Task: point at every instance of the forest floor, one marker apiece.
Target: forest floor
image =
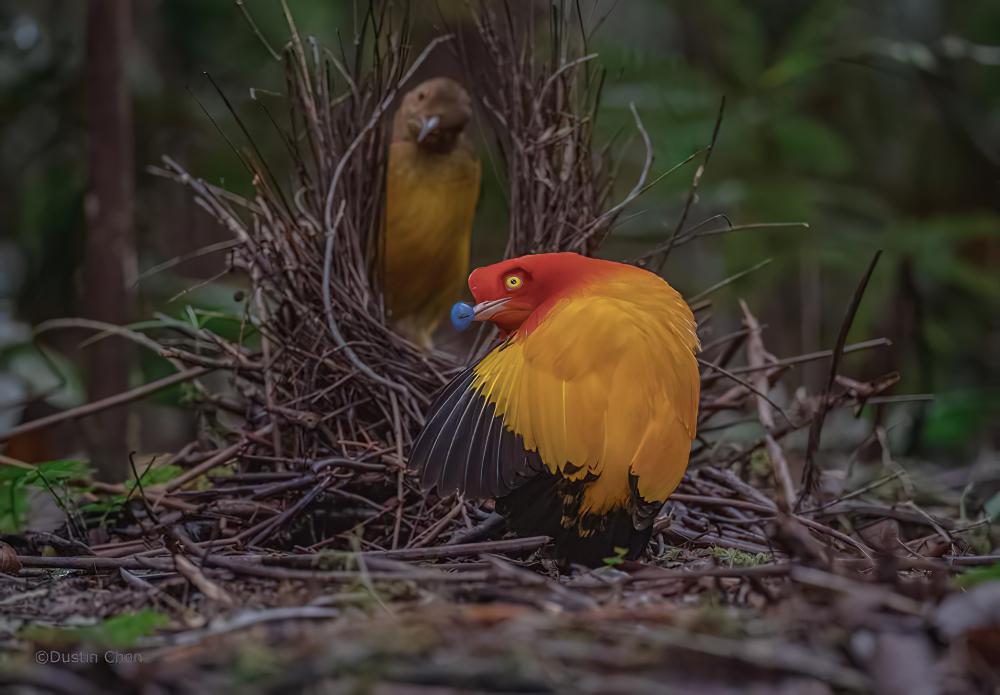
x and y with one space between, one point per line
232 563
706 611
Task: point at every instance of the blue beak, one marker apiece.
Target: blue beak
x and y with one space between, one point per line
462 316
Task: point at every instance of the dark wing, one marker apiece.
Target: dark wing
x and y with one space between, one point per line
464 446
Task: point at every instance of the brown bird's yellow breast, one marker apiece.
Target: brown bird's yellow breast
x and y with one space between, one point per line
430 202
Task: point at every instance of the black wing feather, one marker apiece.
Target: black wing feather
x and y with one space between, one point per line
462 431
475 484
422 456
465 446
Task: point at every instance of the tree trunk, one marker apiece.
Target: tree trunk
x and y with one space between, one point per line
109 256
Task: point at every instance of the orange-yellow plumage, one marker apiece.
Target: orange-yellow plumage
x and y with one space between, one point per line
607 383
432 186
580 421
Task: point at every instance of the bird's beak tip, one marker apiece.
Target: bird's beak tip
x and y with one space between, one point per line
427 126
486 310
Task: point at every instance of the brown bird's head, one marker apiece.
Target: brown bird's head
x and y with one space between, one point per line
433 114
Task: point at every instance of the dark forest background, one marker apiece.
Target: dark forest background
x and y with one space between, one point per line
878 124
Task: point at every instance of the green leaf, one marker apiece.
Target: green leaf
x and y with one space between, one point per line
15 480
13 505
125 629
111 504
618 558
954 417
58 471
122 630
9 472
158 474
978 575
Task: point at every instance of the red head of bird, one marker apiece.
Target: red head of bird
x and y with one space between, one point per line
516 293
433 114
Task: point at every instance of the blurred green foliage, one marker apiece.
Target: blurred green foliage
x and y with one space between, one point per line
978 575
150 475
50 477
122 630
733 557
876 123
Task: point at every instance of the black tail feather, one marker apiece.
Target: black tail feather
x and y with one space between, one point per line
539 505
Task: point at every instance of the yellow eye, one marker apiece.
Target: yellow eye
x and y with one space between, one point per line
513 282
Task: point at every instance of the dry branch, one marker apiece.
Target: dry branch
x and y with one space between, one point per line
816 429
757 357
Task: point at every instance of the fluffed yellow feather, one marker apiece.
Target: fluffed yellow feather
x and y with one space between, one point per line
605 385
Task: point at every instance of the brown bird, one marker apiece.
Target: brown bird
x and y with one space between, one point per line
432 186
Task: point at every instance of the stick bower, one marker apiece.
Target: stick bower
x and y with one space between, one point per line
327 397
318 372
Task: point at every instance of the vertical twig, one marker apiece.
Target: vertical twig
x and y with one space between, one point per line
660 259
816 427
757 357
